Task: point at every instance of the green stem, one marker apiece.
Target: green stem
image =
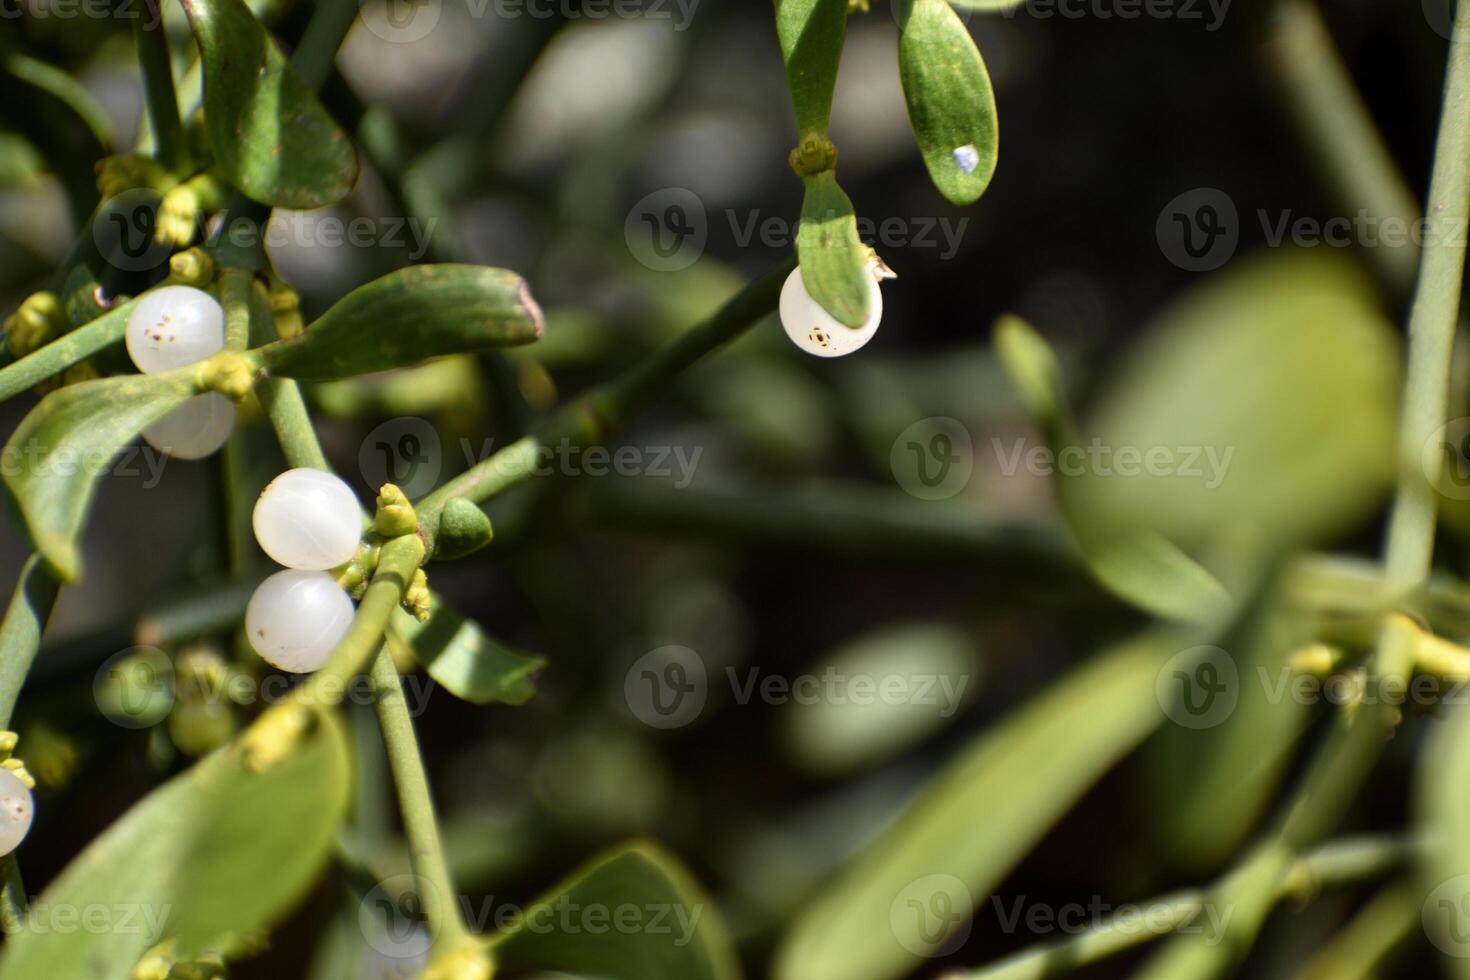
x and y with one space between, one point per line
1333 864
426 849
64 352
317 53
1358 950
286 409
1432 323
605 409
171 147
234 296
1340 135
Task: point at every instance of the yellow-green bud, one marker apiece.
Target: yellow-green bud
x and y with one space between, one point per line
192 267
417 598
814 155
231 374
471 962
274 736
395 515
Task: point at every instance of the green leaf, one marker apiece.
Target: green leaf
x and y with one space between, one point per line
1279 380
1142 567
834 736
270 135
68 442
811 34
466 661
834 260
951 103
216 851
964 832
409 316
677 934
1443 809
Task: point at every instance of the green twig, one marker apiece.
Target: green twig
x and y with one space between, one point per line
426 849
170 145
66 351
1327 111
607 408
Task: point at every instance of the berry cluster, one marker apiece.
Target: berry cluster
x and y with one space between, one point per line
174 327
309 521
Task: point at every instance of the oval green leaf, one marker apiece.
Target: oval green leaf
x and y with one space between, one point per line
976 820
1268 397
934 664
950 99
688 942
409 316
834 260
811 34
465 660
270 135
67 442
216 852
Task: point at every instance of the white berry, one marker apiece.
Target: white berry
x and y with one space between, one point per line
296 619
308 519
17 809
194 430
173 327
815 330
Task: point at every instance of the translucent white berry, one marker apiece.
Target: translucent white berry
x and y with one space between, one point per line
308 519
17 809
295 619
815 330
173 327
194 430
